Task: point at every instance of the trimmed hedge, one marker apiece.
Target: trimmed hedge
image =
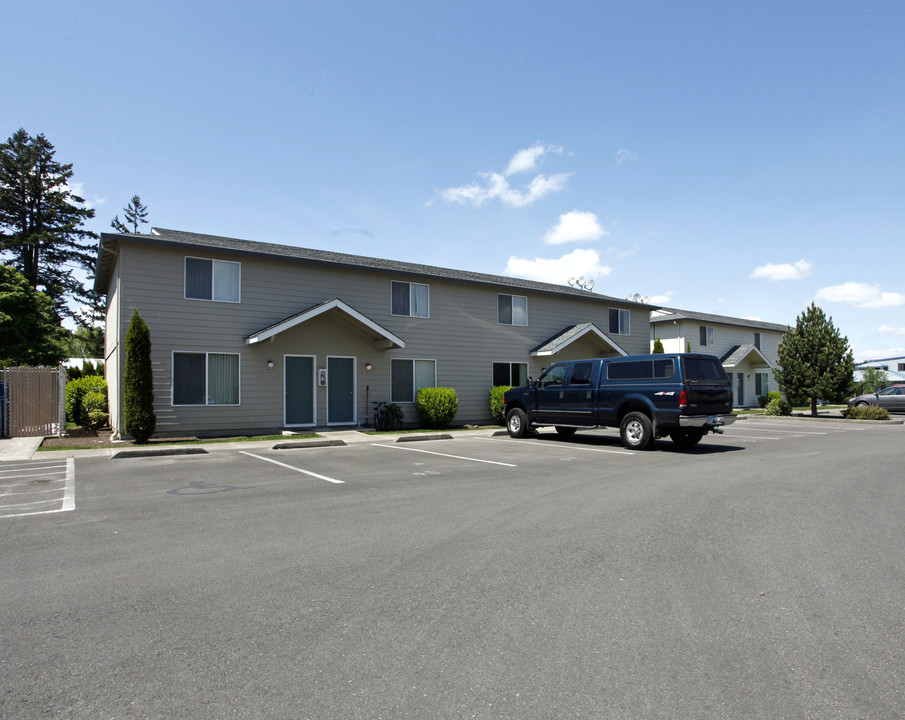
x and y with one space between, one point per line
496 403
437 406
76 392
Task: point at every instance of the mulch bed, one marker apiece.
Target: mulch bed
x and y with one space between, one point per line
80 437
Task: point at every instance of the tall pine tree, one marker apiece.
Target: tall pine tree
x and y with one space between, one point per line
41 232
135 213
816 361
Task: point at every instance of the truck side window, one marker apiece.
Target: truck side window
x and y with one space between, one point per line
581 374
664 369
554 376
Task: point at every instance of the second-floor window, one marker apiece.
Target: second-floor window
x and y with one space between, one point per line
512 310
706 335
620 323
758 341
410 299
217 280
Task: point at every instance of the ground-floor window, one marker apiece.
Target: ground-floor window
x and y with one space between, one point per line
407 377
514 374
205 378
761 384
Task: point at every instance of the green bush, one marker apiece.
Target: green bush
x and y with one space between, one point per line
436 406
139 419
94 407
763 400
76 390
496 403
871 412
395 416
778 406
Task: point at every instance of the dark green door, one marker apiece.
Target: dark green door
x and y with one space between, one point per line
340 391
299 384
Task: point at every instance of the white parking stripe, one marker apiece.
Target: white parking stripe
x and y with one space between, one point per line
298 470
570 447
68 503
455 457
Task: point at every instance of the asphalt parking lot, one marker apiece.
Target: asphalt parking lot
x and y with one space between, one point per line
758 575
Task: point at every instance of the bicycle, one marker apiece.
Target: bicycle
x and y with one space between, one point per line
381 420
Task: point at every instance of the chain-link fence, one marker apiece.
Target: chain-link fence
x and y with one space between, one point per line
32 402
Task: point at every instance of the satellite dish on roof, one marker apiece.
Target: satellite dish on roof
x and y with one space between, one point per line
589 285
581 281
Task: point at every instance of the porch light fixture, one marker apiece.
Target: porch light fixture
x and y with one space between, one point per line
368 367
270 364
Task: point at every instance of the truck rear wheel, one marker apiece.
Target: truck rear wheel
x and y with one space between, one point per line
517 423
686 438
636 431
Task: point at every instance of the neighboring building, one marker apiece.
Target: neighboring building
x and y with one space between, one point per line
748 349
256 337
894 368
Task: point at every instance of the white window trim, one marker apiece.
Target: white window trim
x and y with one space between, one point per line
511 324
510 363
213 275
628 321
414 389
206 378
411 303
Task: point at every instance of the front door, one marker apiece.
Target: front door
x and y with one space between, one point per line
340 391
740 393
298 381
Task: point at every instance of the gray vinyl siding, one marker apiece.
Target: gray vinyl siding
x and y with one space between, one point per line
462 333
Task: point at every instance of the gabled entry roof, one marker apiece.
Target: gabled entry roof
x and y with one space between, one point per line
383 335
738 353
571 334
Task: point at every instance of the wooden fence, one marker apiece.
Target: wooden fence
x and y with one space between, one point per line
33 402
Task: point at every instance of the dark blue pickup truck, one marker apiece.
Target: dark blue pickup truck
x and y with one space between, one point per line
682 395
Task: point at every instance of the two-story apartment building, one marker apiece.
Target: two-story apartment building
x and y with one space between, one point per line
258 337
748 349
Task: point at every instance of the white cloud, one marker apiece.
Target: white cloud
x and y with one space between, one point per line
495 186
662 299
526 159
860 295
558 270
785 271
575 226
889 330
624 156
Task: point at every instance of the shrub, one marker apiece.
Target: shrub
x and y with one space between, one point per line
395 416
763 400
778 406
94 407
496 403
139 419
658 347
871 412
436 406
76 390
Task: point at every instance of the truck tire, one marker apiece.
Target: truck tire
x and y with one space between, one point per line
636 431
517 423
565 432
686 438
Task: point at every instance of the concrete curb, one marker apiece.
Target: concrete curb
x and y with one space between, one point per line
416 438
312 443
157 452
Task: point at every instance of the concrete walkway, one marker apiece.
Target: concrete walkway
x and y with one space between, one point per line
19 449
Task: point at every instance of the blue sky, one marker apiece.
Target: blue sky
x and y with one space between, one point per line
738 158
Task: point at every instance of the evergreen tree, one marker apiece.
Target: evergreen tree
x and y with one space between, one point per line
816 361
658 347
29 332
139 420
41 232
135 213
